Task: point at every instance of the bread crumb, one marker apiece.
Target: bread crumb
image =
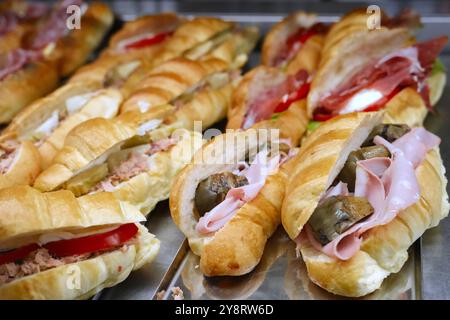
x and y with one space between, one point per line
177 293
160 295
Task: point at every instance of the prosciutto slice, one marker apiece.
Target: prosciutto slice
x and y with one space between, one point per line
55 26
256 175
404 67
390 185
8 21
263 106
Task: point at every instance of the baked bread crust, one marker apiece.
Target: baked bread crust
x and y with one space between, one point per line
21 88
238 246
92 139
384 248
26 166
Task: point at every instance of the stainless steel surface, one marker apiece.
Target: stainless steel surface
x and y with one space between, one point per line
145 283
281 275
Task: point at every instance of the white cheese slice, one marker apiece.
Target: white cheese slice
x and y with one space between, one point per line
361 100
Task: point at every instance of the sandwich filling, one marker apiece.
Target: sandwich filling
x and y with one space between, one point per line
219 197
377 182
38 257
135 164
373 86
212 82
71 106
270 95
295 40
119 167
8 152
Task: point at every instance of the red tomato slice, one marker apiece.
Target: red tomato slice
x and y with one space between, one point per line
300 37
322 116
17 254
92 243
301 92
147 42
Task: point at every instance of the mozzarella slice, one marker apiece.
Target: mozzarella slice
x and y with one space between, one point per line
361 100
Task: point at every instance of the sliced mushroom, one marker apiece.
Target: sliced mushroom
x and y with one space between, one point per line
212 191
337 214
390 132
348 172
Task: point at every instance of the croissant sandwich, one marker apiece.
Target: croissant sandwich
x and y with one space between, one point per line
177 81
360 194
135 45
134 156
48 53
56 246
269 98
294 43
227 201
20 162
143 35
48 120
364 69
202 38
71 48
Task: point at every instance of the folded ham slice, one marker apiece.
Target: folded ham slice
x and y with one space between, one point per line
235 199
16 60
390 185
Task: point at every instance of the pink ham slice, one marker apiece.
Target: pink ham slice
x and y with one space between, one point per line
256 176
402 68
16 60
390 185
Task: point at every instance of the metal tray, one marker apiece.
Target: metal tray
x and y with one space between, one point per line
281 275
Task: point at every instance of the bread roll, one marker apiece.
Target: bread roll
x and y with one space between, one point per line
384 248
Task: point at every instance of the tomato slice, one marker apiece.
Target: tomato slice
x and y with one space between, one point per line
300 37
92 243
147 42
17 254
322 116
300 93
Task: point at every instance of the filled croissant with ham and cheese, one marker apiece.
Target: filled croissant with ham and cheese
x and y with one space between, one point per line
360 194
385 68
227 200
20 162
294 43
134 156
56 246
50 51
47 121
